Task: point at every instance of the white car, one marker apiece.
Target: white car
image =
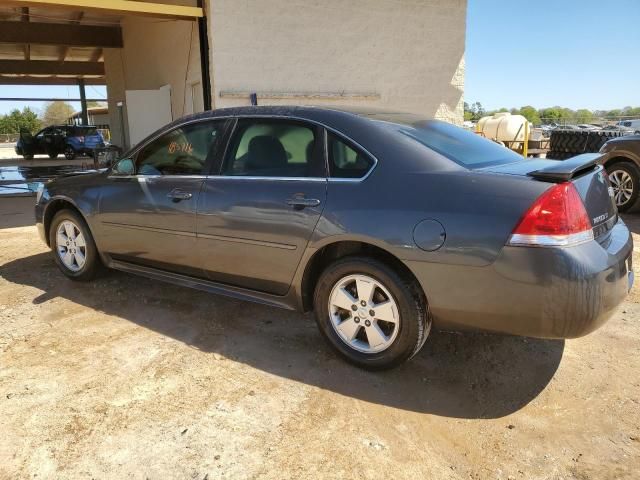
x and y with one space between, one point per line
633 124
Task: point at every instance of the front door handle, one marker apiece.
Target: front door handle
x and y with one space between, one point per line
300 202
177 195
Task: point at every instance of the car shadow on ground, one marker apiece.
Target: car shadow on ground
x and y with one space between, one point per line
455 375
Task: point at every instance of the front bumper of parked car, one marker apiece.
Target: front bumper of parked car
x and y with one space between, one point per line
538 292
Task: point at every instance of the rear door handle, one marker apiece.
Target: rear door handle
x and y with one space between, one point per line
176 195
302 202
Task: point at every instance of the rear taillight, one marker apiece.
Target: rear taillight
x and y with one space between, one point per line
556 219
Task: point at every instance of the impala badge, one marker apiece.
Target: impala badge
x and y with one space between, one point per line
600 218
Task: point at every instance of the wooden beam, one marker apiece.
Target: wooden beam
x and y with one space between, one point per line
64 49
301 95
97 55
116 7
27 80
60 34
44 67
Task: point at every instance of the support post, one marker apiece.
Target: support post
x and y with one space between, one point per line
203 38
83 102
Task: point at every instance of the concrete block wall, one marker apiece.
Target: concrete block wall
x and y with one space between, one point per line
408 53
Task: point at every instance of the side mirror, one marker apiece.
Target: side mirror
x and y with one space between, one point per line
123 167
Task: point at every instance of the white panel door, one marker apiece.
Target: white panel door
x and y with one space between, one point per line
147 111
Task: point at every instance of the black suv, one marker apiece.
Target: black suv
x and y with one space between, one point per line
72 140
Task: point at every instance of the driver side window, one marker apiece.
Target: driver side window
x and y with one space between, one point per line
182 151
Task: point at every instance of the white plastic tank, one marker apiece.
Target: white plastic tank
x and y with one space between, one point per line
502 127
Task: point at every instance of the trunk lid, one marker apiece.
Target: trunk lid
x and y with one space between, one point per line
587 175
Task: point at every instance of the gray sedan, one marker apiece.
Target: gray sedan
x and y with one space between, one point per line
385 224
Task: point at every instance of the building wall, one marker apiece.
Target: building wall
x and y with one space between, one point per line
156 53
401 54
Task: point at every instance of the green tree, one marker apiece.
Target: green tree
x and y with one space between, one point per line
584 116
57 112
530 114
16 120
557 114
613 114
551 114
479 111
474 112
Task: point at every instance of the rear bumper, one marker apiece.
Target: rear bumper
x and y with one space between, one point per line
537 292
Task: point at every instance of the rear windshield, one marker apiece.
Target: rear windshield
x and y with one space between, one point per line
463 147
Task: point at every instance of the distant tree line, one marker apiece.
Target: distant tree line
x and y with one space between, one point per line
557 114
13 121
54 113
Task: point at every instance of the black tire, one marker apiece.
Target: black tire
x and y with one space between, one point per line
555 155
69 153
414 324
634 172
93 265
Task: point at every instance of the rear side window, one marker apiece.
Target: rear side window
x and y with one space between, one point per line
465 148
345 161
268 148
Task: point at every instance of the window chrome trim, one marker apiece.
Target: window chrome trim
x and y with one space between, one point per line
255 177
153 177
139 147
349 139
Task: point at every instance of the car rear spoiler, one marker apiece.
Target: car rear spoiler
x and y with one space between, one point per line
567 169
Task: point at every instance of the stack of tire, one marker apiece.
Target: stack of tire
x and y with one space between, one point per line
569 143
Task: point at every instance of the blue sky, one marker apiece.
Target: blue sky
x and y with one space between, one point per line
573 53
40 91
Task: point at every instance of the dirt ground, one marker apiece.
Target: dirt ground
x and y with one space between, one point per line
131 378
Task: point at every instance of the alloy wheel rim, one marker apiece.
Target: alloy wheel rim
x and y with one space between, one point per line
622 184
71 246
364 314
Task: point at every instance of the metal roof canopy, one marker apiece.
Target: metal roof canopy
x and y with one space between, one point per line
63 36
119 7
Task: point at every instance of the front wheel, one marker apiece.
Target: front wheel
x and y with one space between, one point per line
373 316
625 181
73 247
69 153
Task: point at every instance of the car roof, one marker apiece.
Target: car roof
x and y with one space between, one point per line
310 112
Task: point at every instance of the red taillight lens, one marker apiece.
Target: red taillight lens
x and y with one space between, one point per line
556 218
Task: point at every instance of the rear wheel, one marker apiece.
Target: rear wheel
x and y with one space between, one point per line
373 316
73 247
625 180
69 153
